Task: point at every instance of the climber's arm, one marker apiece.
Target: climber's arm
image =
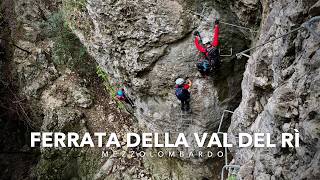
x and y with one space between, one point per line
189 83
215 41
198 45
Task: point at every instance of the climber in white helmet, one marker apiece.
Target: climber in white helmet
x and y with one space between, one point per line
210 59
182 93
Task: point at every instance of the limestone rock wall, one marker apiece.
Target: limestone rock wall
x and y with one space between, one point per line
63 98
149 44
280 93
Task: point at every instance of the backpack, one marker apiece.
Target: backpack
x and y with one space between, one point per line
181 93
213 56
204 65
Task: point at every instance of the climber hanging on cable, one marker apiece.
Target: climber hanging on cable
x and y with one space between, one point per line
121 95
183 94
210 59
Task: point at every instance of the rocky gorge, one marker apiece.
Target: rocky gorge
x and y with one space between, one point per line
62 60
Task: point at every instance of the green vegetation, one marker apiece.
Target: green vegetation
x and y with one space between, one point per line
75 4
67 49
108 87
76 15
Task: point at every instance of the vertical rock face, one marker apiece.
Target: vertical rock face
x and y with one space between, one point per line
62 98
149 44
248 11
280 93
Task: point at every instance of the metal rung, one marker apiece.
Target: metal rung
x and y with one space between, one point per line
239 55
226 55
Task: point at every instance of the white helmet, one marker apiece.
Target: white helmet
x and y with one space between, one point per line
205 40
180 81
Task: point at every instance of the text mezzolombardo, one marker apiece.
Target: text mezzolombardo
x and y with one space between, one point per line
101 139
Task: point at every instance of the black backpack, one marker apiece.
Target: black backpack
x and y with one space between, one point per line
181 93
213 56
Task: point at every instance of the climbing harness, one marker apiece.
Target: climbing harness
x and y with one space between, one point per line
306 25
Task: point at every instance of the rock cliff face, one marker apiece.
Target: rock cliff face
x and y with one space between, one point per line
280 93
56 85
148 44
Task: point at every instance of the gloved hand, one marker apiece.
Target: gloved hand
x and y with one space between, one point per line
196 33
216 21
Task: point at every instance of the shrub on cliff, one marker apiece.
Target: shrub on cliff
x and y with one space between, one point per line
67 48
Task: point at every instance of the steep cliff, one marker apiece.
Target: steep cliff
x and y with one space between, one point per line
280 93
53 48
149 44
47 75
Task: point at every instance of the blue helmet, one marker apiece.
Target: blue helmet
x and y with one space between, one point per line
120 93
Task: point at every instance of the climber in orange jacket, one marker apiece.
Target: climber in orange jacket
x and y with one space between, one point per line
210 59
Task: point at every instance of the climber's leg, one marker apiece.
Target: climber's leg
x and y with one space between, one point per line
216 61
215 41
183 104
129 101
187 105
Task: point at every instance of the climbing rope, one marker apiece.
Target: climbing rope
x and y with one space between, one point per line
306 25
222 22
242 53
238 26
